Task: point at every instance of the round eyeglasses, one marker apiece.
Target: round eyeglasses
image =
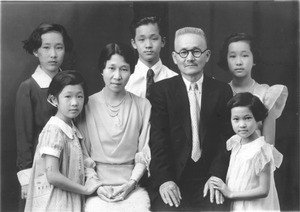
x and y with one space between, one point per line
195 52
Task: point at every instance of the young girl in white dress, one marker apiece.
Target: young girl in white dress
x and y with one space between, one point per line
250 177
239 55
57 179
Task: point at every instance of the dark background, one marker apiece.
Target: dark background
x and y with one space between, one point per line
91 25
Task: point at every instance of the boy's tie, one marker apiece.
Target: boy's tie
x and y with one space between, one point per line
150 81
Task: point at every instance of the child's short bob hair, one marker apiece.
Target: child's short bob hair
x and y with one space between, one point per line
258 109
64 78
235 38
116 48
35 39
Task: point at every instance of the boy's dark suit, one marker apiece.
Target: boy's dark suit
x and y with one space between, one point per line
171 134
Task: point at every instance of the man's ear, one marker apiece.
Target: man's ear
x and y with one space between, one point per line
207 53
174 57
133 43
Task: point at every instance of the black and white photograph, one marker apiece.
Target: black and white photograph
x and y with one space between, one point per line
137 106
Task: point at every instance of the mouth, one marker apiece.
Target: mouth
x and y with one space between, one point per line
74 110
148 52
190 65
116 84
239 69
52 62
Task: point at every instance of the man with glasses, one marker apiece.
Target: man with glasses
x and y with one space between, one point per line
189 128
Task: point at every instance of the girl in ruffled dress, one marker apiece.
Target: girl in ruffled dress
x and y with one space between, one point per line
239 55
57 179
250 177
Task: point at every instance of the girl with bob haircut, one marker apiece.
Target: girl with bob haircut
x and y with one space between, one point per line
48 43
250 176
239 55
116 128
57 179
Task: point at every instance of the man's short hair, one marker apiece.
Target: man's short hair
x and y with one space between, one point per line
145 21
193 30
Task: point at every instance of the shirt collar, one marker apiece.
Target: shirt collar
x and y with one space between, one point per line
157 67
42 79
69 131
188 83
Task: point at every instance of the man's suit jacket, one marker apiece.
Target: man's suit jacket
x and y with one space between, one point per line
171 134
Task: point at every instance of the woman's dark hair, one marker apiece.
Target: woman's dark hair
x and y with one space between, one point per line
258 109
145 21
223 63
116 48
35 39
64 78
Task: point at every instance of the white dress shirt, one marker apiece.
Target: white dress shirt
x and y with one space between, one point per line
138 80
199 84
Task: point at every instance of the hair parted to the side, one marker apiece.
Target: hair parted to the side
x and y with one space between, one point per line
246 99
241 36
193 30
35 39
116 48
64 78
190 30
145 21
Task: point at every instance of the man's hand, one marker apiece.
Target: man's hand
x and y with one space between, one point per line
214 193
170 193
220 185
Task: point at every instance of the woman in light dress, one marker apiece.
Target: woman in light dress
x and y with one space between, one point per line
115 126
239 55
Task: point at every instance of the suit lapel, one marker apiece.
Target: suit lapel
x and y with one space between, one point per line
207 105
183 105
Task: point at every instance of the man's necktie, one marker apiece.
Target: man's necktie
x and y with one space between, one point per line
150 81
194 110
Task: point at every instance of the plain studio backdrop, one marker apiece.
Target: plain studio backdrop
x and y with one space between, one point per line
91 25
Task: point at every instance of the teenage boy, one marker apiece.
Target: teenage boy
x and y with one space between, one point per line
147 37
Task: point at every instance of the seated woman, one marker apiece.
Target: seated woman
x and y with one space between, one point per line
115 125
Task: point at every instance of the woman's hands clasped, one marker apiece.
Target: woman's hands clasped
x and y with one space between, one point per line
116 193
91 185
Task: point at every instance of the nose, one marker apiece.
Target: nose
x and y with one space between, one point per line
74 101
190 56
242 124
239 61
53 53
148 43
117 74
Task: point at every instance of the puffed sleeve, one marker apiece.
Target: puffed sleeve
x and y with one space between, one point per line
143 156
232 142
267 154
275 99
51 141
